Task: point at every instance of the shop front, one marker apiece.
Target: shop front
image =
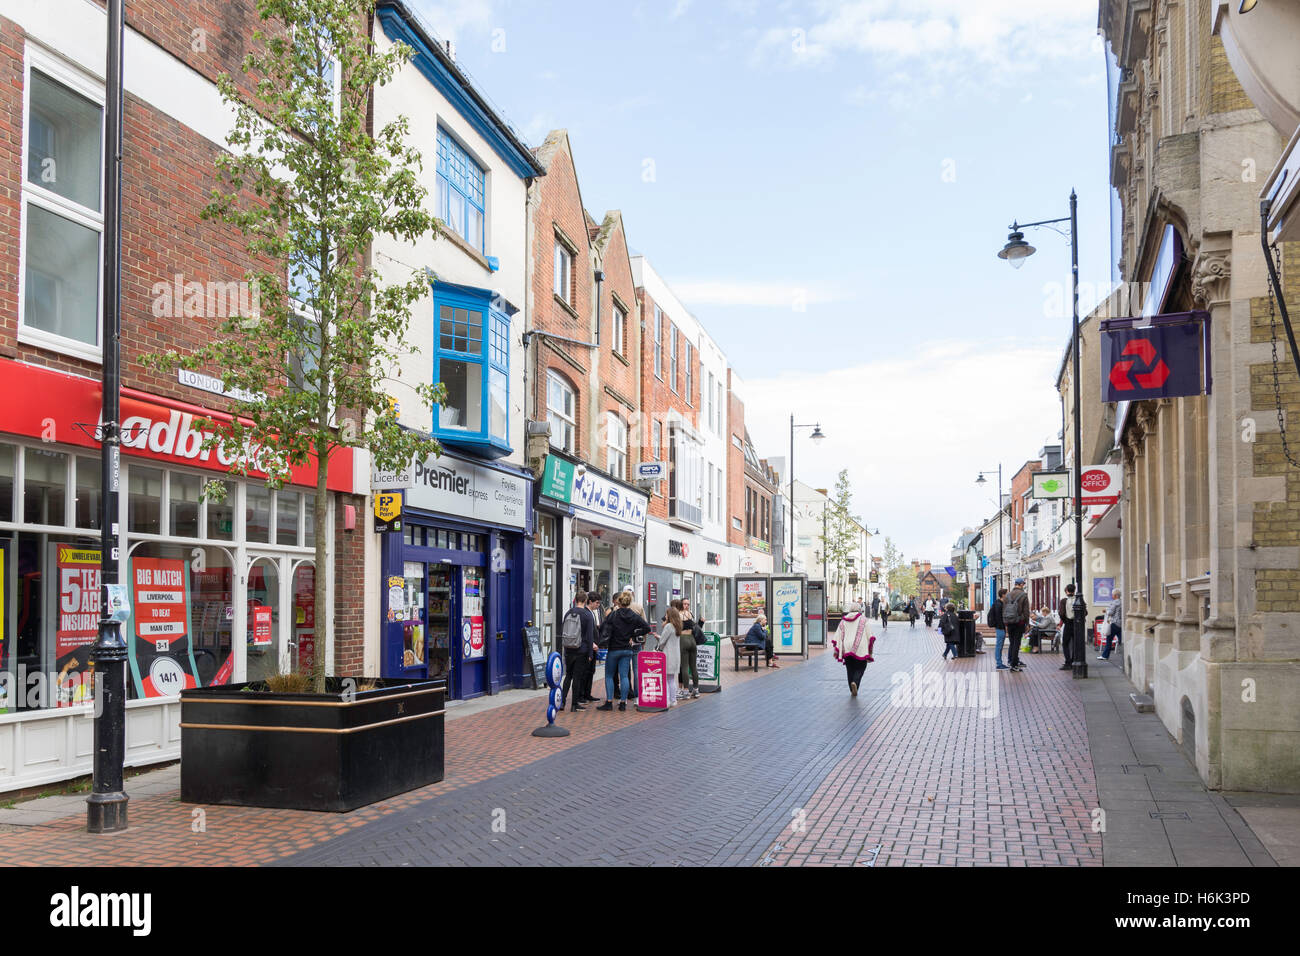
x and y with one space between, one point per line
591 531
685 564
222 588
457 578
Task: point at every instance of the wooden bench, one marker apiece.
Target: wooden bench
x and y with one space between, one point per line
748 650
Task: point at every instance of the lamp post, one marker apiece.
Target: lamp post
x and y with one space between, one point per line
1016 251
982 480
817 437
107 803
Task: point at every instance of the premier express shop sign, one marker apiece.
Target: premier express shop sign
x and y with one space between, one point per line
67 410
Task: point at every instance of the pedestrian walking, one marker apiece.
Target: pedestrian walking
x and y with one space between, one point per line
671 646
884 613
911 612
1015 616
1113 626
852 642
689 679
875 606
623 627
929 612
578 640
949 629
1071 636
995 621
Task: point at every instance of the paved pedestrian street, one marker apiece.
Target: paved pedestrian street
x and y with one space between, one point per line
934 763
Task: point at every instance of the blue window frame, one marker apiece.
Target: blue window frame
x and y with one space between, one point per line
461 190
471 348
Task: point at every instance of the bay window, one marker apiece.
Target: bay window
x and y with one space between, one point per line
472 360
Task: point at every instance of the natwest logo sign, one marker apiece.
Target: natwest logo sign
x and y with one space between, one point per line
1101 485
58 407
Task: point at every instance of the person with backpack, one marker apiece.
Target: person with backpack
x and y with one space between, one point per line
1015 616
578 639
999 628
623 626
1071 636
948 627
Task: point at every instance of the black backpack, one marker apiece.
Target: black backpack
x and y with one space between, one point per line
571 631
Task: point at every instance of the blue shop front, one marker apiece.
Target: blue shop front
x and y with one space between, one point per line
458 579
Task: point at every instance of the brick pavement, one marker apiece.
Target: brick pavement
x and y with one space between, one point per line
165 832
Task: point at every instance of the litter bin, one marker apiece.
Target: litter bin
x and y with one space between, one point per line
966 633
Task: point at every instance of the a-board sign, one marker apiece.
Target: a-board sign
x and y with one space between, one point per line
536 654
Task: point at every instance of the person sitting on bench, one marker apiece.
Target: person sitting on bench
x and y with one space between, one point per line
759 638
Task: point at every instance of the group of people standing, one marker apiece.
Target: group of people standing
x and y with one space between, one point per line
1010 614
623 633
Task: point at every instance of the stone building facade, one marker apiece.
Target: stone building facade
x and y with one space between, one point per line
1211 509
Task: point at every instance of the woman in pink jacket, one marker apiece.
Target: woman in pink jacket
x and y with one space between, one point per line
852 642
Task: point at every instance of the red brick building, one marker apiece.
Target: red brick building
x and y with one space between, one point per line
245 563
583 375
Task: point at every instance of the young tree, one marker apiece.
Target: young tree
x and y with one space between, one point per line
899 575
308 187
839 539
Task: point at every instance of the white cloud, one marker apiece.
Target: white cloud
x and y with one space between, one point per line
914 431
994 37
679 9
784 295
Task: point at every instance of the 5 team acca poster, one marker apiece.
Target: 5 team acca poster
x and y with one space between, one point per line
78 570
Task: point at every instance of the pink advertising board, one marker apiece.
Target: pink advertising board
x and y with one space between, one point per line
652 681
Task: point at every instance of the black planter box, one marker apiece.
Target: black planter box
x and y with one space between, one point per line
334 751
833 619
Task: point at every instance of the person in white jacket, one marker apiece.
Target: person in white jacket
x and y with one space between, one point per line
670 646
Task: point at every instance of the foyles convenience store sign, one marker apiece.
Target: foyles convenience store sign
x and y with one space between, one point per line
452 486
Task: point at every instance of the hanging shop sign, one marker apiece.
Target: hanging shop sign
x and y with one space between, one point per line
610 503
152 427
1050 484
557 479
398 478
453 486
652 470
388 512
1101 484
1167 358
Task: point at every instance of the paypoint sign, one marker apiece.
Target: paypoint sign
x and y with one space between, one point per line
388 511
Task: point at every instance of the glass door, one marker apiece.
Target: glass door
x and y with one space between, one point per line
412 613
440 591
263 622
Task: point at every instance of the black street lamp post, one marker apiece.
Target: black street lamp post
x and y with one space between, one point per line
817 437
1015 252
106 805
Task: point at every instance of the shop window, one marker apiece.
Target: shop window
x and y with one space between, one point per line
304 616
45 484
144 500
472 360
85 507
287 505
561 404
221 514
461 191
544 595
257 513
8 473
183 504
189 635
63 222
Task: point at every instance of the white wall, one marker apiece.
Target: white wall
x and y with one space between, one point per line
411 95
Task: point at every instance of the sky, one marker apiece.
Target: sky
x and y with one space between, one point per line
825 184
